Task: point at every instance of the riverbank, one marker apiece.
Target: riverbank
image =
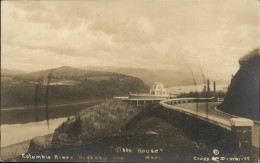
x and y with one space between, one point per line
22 121
10 152
14 150
12 134
27 114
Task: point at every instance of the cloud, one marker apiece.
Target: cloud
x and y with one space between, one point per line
161 34
56 14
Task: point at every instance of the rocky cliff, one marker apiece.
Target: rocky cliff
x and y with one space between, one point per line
243 94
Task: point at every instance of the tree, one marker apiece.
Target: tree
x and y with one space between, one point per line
76 127
214 86
204 88
208 85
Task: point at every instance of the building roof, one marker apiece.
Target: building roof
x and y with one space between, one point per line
157 83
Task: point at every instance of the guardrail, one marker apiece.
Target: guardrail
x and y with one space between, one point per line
218 119
169 103
212 119
186 100
234 116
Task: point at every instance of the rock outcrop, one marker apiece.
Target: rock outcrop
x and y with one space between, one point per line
40 143
94 122
243 94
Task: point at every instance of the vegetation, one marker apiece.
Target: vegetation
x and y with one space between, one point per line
27 89
74 128
96 122
7 72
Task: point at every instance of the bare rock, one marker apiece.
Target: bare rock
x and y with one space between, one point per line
151 133
40 143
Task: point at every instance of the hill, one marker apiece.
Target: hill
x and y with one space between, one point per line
168 77
67 84
243 94
9 72
7 75
67 73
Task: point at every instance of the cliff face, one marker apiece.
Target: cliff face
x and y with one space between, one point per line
243 94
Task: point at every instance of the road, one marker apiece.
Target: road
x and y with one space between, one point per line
213 116
218 115
202 108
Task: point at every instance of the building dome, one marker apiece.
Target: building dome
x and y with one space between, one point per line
158 89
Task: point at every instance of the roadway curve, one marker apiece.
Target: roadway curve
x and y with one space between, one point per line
214 115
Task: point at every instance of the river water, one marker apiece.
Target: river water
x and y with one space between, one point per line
18 124
15 133
187 89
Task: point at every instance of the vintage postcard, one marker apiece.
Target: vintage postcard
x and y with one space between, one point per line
130 81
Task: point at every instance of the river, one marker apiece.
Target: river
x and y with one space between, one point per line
187 89
15 133
19 124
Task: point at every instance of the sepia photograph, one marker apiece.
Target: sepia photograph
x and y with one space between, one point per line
130 81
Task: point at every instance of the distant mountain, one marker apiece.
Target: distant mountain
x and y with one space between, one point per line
168 77
67 84
69 73
243 94
9 72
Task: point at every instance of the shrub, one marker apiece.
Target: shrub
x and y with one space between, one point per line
99 120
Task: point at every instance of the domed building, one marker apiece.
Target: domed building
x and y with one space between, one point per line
157 93
158 89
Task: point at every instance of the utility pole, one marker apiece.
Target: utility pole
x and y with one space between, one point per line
207 102
214 86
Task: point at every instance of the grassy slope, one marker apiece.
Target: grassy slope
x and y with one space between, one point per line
95 122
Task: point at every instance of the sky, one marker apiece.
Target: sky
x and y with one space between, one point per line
160 34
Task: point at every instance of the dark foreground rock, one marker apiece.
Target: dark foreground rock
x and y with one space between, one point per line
243 94
40 143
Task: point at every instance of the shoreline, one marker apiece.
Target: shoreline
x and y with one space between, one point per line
52 105
27 115
28 131
14 150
